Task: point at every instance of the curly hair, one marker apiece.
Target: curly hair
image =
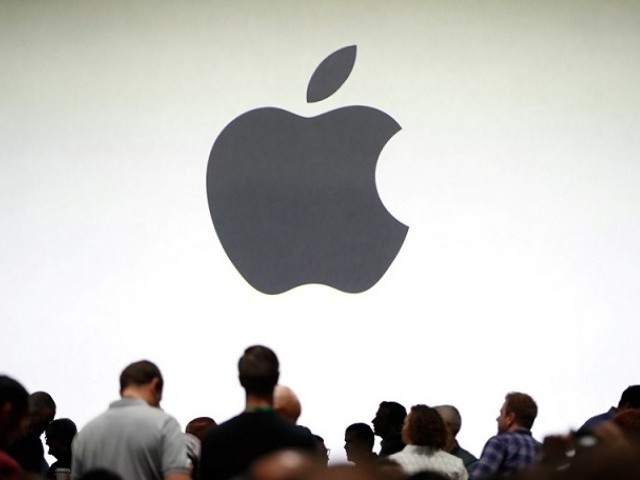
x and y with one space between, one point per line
425 427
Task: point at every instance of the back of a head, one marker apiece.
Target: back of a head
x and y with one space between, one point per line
258 370
451 417
42 410
630 397
284 465
198 427
396 413
523 407
62 430
286 403
361 432
13 394
140 373
426 427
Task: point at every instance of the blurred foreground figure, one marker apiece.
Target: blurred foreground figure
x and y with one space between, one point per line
513 448
134 438
231 447
284 465
13 411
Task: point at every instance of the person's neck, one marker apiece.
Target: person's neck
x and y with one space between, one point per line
255 402
515 427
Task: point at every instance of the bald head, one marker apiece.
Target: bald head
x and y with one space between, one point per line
451 417
286 403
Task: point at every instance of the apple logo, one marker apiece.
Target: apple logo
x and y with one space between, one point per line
293 199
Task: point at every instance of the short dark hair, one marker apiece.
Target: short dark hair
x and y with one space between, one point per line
523 408
140 373
362 432
426 427
396 413
630 397
62 430
258 370
12 392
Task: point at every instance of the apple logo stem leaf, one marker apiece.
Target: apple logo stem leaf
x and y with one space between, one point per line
332 72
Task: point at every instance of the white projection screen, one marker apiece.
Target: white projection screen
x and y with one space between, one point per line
516 171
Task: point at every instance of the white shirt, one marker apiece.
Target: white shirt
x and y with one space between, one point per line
414 459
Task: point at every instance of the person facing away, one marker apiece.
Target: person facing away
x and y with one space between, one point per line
195 431
231 447
134 438
630 398
453 421
513 448
387 424
286 403
14 405
358 443
58 436
28 450
425 435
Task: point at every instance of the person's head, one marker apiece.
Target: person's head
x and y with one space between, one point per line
284 465
286 403
14 405
518 411
258 371
198 427
629 422
424 427
142 379
630 398
358 442
451 417
42 409
59 435
321 450
388 419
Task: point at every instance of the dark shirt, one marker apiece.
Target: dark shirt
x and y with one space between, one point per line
62 462
392 443
29 453
231 447
468 459
593 421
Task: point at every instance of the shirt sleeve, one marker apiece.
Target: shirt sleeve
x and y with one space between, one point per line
174 448
493 454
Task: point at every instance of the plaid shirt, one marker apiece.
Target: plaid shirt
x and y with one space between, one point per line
505 454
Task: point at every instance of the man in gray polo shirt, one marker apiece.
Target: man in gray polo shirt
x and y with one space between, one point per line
134 437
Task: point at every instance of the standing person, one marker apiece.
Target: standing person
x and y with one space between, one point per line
425 434
513 448
453 420
387 424
231 447
14 404
28 450
134 437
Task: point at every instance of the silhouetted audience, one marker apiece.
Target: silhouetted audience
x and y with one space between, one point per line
387 424
28 450
14 404
425 435
231 447
286 403
194 434
58 437
321 450
630 398
358 443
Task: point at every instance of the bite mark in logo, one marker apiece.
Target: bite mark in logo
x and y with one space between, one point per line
294 199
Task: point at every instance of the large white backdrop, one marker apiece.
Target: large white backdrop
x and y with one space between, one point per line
516 170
